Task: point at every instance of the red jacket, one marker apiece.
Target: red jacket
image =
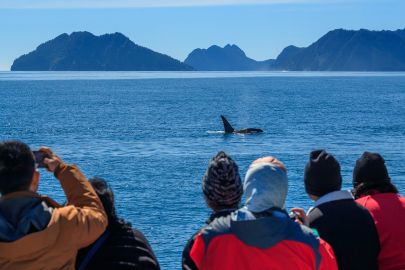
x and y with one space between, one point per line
388 212
265 243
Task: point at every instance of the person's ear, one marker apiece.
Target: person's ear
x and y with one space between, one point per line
35 181
313 197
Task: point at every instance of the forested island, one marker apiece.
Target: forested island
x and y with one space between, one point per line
338 50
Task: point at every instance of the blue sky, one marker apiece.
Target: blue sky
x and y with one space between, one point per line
262 28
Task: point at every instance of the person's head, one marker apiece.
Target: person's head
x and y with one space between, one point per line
221 183
371 175
265 185
17 168
322 174
106 196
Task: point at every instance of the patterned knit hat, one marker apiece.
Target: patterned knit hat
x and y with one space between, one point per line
221 183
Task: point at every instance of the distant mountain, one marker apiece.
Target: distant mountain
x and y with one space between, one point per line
286 57
87 52
345 50
338 50
401 33
228 58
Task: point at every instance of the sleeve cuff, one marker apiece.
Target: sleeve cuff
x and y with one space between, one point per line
59 169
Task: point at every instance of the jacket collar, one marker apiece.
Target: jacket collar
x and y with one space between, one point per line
244 214
221 213
334 196
22 194
22 213
19 194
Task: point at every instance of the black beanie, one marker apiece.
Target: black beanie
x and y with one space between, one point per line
370 169
322 174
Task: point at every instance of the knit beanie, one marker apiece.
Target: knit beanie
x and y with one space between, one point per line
221 183
265 186
370 169
322 174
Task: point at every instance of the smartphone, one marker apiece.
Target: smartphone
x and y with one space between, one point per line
39 158
294 216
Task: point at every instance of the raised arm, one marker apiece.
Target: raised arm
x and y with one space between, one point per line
84 214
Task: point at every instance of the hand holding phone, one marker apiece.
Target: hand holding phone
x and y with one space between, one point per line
47 159
299 215
39 158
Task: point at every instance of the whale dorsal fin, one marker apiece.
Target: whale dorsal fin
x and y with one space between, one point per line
227 127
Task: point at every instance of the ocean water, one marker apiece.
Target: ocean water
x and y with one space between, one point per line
151 134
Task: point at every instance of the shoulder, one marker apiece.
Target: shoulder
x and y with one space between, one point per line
219 224
137 234
381 200
261 232
125 247
64 215
314 214
125 236
74 214
339 208
190 243
364 200
187 261
305 235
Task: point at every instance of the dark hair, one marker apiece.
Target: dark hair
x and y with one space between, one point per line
17 166
106 196
370 176
364 189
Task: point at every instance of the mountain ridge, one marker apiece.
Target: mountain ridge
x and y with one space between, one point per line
349 50
83 51
337 50
227 58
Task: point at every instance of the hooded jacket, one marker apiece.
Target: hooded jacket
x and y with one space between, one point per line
261 235
242 242
37 233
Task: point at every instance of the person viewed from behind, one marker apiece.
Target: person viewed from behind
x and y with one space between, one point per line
345 225
261 235
36 232
121 246
222 189
374 190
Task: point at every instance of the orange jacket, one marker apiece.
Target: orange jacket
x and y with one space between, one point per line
70 228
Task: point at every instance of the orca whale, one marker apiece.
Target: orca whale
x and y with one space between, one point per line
229 129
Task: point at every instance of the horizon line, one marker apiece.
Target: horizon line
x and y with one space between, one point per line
118 4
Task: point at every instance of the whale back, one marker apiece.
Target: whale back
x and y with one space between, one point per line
249 131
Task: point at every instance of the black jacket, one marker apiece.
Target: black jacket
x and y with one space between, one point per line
187 262
349 229
124 248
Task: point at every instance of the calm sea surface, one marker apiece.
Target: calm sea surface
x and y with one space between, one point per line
151 134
